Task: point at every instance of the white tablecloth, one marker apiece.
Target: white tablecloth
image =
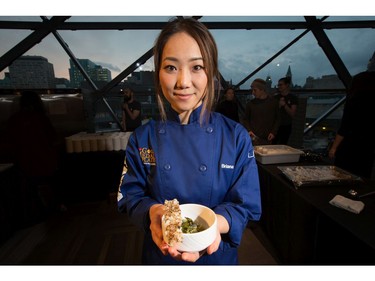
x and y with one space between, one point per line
89 142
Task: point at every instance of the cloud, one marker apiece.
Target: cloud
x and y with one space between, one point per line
109 66
240 51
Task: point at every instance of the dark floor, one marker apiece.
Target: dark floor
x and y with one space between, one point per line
94 233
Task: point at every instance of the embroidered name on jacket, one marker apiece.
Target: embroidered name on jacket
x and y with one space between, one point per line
227 166
147 156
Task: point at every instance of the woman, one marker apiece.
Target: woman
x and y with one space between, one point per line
229 107
191 154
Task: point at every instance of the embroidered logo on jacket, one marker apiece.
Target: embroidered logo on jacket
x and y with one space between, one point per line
250 154
227 166
147 156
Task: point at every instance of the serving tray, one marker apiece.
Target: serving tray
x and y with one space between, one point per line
318 175
276 154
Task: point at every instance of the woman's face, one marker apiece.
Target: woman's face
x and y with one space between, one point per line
182 76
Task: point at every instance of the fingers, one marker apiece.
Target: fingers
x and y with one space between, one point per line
215 245
156 212
157 237
194 256
184 256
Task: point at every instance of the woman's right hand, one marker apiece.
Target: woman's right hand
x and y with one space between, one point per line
156 212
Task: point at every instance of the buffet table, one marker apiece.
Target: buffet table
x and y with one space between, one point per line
305 229
92 165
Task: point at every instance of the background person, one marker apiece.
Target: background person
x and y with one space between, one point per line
288 107
131 111
353 148
33 147
228 106
191 154
262 114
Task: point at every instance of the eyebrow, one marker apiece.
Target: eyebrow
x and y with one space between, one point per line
175 59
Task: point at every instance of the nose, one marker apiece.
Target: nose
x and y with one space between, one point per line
183 79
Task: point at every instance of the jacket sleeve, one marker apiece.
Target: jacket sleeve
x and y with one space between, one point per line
133 196
242 202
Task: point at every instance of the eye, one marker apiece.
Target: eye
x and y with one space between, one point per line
198 67
170 68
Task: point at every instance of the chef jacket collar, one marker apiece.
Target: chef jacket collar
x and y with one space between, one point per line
194 116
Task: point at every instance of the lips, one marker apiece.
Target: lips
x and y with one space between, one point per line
182 96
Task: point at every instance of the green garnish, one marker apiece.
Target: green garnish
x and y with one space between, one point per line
189 226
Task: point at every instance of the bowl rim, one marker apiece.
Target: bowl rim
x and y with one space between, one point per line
208 228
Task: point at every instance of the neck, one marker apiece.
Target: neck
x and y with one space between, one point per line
284 93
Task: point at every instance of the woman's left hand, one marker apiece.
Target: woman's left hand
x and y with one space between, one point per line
194 256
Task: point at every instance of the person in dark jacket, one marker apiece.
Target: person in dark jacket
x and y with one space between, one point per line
33 146
131 111
262 114
353 149
191 154
288 103
228 106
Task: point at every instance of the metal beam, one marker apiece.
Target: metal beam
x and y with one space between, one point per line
271 58
114 82
246 25
324 115
329 50
26 44
275 56
82 70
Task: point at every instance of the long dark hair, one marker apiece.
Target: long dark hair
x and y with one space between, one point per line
208 48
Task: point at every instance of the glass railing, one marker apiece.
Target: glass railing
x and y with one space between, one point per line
317 120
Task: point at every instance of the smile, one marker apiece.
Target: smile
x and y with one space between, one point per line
182 96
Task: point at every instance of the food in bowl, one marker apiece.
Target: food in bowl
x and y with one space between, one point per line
190 226
198 221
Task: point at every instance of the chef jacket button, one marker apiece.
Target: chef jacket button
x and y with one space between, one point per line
167 167
202 168
162 131
209 130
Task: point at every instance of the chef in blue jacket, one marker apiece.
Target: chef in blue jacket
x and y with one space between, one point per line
192 153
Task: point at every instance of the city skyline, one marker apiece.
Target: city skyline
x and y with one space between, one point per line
240 51
21 75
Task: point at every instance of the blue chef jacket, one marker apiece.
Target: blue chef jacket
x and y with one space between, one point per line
211 164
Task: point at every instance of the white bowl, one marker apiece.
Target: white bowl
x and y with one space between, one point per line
195 242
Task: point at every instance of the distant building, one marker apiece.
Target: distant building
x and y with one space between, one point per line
145 78
6 83
102 74
62 83
269 83
289 74
94 71
32 72
325 82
